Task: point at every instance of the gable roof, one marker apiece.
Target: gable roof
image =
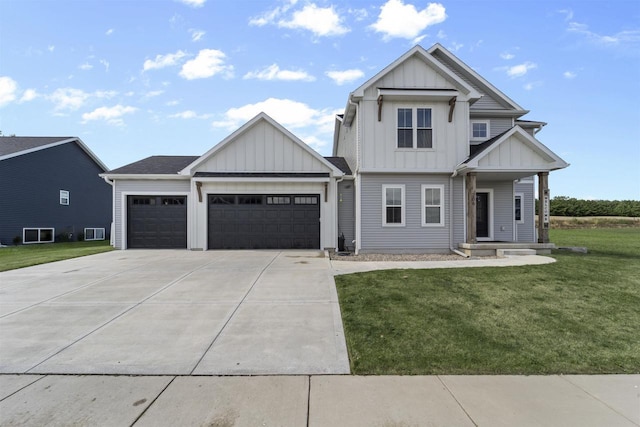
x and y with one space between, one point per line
476 80
13 146
260 118
531 156
155 165
340 163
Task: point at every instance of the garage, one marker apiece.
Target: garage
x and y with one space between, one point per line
264 221
157 222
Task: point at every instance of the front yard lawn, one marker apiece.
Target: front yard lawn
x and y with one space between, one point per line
578 315
27 255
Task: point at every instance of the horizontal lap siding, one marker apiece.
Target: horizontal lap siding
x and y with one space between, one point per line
132 187
526 230
346 211
503 212
412 237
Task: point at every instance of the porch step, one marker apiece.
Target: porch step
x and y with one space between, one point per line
501 253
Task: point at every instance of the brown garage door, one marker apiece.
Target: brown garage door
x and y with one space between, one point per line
264 221
157 222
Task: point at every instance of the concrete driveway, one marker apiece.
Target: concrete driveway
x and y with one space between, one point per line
165 312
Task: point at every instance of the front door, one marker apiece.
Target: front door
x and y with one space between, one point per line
482 215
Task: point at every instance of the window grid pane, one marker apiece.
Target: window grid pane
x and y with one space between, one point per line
432 205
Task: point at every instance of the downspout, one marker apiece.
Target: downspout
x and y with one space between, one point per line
112 238
451 248
356 175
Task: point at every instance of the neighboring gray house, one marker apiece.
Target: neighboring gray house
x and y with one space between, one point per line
428 157
51 189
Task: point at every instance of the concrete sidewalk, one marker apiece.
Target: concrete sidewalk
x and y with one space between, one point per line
336 400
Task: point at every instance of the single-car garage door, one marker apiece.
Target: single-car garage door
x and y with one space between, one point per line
158 222
264 221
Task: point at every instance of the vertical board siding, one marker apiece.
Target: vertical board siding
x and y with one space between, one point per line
263 148
347 143
132 187
412 237
347 212
30 187
527 229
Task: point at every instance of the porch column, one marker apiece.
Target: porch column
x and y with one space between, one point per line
470 181
543 207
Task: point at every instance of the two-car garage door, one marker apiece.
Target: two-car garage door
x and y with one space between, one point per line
241 221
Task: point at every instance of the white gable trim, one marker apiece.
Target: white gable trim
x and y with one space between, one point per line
538 147
420 52
189 170
81 144
475 76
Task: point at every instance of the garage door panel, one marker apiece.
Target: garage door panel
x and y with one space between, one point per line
156 222
264 222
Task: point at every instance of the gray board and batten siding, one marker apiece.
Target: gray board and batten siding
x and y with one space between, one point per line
412 237
30 193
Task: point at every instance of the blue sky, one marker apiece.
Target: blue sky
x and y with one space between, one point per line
140 78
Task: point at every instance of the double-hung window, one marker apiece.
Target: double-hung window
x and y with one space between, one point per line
479 130
393 206
415 129
432 206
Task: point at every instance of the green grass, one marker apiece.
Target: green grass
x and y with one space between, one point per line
27 255
578 315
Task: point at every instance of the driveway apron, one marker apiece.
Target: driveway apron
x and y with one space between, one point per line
147 312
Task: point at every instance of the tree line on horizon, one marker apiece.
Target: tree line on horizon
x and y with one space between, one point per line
570 206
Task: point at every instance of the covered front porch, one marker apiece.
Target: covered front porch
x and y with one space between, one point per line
499 196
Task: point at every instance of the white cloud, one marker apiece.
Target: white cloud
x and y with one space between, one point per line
622 38
455 46
8 88
568 14
112 115
193 3
162 61
51 48
569 75
153 93
359 14
105 63
321 21
520 69
532 85
109 32
72 99
86 66
189 114
345 76
401 20
172 103
273 72
196 35
507 55
208 63
29 95
271 16
441 35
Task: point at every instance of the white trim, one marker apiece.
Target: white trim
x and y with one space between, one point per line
53 235
490 209
260 179
94 233
123 219
82 145
414 127
117 176
64 197
403 205
423 187
482 138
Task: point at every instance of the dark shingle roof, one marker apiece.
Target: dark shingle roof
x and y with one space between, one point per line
475 150
156 165
340 163
16 144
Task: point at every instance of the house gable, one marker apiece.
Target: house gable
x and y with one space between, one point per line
261 145
514 150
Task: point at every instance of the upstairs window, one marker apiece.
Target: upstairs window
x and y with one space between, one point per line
393 205
479 130
415 128
64 197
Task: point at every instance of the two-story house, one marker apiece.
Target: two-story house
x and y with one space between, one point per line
428 157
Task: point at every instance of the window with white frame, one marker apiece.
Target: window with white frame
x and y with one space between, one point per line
415 129
64 197
94 234
479 130
432 206
393 205
517 207
38 235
